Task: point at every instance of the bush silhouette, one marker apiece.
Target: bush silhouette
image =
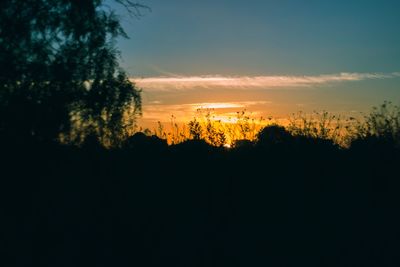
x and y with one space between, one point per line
243 143
273 135
381 127
140 141
193 146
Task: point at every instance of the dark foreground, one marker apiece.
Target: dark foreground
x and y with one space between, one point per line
302 204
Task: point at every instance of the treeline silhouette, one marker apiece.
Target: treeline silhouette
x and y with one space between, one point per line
282 200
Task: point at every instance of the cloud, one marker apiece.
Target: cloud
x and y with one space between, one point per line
185 112
255 82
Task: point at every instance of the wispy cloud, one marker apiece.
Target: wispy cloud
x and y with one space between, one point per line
256 82
185 112
227 105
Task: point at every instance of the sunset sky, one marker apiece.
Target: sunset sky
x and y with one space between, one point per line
269 57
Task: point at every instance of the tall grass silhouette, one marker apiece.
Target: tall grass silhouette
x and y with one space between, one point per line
382 123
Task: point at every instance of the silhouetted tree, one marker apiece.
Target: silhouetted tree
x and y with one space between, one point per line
140 141
59 72
381 127
273 135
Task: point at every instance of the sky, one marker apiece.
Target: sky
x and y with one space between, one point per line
268 57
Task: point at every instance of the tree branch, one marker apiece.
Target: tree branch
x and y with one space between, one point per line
133 8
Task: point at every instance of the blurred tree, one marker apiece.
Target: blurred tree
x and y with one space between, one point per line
59 74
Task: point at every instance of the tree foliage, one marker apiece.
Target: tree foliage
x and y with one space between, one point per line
59 72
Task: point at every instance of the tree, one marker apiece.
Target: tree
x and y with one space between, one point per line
59 73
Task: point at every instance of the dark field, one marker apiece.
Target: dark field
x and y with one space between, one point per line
301 203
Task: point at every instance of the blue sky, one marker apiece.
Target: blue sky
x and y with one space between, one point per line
335 55
258 37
